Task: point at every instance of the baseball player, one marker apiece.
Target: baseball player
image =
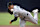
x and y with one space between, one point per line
23 15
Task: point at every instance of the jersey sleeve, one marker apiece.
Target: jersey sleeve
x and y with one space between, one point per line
15 14
14 19
16 10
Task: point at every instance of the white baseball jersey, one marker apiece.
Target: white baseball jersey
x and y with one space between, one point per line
20 12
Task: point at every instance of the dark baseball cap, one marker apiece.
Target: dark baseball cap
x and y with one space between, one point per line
9 3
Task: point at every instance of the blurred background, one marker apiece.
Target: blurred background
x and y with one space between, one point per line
29 5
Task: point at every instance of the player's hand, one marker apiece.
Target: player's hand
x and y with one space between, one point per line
10 22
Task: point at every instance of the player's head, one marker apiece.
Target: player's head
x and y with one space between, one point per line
10 6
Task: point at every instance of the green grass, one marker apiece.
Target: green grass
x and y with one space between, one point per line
6 17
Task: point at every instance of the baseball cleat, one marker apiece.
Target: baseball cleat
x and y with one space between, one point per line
34 11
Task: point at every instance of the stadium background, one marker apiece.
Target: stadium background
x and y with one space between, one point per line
29 5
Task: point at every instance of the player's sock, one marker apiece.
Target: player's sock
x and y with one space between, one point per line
35 14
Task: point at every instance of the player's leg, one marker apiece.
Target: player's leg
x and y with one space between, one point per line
22 23
35 14
33 19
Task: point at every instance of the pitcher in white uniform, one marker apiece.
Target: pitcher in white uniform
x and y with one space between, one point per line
23 15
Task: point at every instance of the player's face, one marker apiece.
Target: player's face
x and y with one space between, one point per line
10 7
